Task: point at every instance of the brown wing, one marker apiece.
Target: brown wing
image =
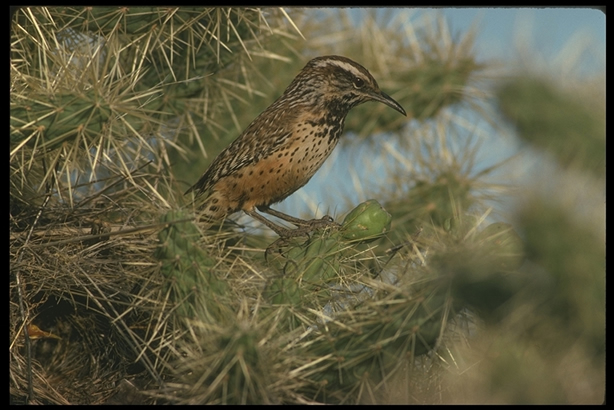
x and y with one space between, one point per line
259 140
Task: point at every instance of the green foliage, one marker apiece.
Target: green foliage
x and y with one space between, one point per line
361 338
550 118
191 283
483 268
229 365
367 344
72 118
574 257
433 202
502 245
309 270
121 83
436 84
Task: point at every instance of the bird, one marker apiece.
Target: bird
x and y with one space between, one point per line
284 146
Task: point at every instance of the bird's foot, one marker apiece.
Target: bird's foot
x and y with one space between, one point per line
325 222
287 240
306 227
287 236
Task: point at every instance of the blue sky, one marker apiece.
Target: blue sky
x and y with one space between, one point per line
549 29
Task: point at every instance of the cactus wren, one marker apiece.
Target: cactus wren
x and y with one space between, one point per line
287 143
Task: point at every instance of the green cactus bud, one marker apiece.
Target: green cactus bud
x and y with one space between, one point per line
366 222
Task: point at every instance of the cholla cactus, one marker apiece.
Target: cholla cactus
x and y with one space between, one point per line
310 269
362 334
191 284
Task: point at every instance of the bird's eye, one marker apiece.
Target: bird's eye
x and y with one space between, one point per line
359 82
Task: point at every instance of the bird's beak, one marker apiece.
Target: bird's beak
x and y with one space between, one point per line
386 99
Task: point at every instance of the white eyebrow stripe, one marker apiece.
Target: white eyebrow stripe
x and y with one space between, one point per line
343 65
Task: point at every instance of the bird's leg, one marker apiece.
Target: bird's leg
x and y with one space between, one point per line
285 234
312 224
282 232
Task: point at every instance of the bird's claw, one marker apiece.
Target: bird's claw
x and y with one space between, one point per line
325 222
286 235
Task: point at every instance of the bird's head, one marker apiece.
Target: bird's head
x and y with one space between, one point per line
340 82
